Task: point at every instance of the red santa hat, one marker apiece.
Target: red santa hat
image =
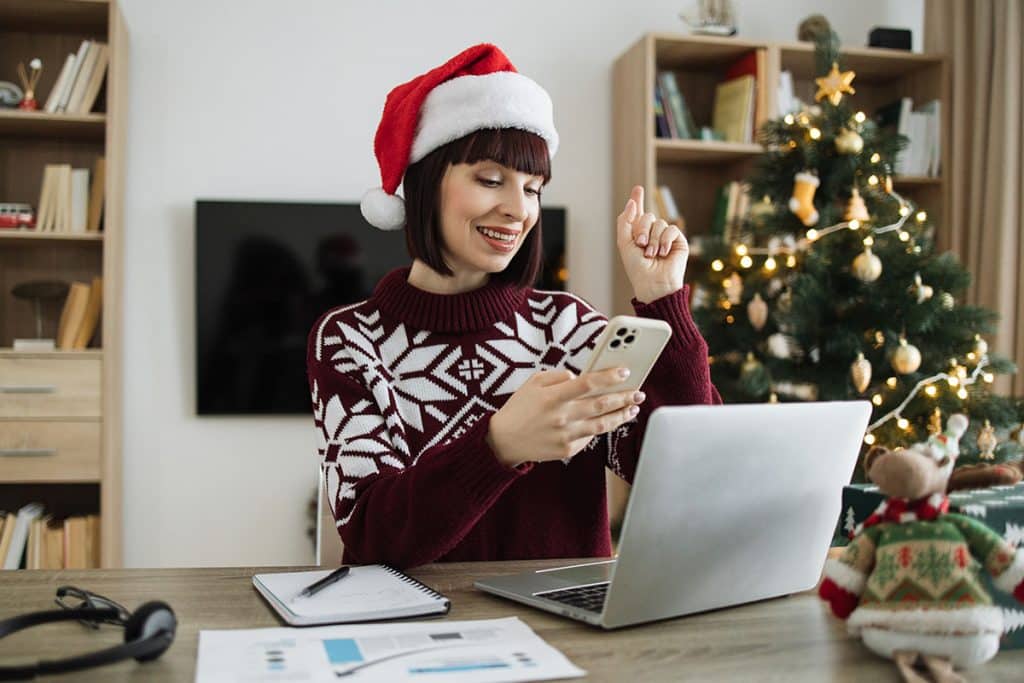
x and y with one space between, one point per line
477 89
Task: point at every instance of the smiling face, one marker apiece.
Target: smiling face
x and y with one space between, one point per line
487 211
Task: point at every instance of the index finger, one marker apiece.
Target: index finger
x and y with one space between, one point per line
588 382
638 196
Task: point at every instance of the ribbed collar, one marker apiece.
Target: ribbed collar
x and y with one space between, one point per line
465 312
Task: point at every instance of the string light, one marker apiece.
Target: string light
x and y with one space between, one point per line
812 234
921 216
854 224
729 319
859 117
904 210
791 261
877 399
962 393
741 250
789 119
903 423
931 391
904 236
891 382
873 180
988 377
868 241
746 262
717 265
869 439
769 264
876 157
815 133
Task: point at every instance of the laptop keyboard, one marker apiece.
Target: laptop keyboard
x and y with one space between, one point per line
590 598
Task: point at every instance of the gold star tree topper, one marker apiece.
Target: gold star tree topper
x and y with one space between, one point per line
834 85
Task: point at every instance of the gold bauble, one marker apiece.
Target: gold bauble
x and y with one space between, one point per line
757 312
751 364
733 286
849 142
855 209
860 373
867 267
906 358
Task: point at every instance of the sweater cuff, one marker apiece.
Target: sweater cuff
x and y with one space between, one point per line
675 310
477 470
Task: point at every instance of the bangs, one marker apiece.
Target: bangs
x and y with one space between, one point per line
513 148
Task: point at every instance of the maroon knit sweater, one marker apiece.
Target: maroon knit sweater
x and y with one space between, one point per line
403 388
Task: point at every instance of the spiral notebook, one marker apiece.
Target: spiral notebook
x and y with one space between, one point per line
366 593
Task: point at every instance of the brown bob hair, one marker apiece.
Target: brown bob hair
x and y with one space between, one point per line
510 147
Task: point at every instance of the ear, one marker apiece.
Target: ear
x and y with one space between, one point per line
872 455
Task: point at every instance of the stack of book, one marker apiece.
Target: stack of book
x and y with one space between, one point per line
732 205
80 317
68 202
79 82
922 128
31 539
672 117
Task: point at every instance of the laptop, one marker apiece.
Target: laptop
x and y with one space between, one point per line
730 504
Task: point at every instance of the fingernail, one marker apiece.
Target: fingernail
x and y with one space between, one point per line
634 411
623 373
664 250
642 240
639 397
651 251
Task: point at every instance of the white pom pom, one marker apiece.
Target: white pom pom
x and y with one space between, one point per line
383 210
956 425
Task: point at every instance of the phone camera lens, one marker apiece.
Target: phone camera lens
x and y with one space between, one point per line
621 331
629 339
615 343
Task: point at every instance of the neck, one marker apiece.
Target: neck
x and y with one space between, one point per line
422 276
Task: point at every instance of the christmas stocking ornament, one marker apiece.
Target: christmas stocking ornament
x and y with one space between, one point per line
802 201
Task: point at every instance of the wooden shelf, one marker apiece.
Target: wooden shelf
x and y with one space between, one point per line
10 235
674 51
916 181
704 151
14 122
96 354
54 15
872 64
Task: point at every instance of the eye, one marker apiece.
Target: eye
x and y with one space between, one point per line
487 182
533 191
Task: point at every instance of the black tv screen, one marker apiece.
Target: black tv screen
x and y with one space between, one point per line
265 271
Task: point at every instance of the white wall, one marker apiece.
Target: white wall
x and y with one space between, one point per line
261 99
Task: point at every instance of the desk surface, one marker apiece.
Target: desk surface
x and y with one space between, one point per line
789 639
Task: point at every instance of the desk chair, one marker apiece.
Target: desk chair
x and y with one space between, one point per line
328 544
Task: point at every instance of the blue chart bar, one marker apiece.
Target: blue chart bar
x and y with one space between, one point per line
460 667
342 651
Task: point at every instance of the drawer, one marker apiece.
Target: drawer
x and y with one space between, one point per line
49 451
50 387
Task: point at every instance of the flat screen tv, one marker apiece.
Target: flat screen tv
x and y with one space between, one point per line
265 271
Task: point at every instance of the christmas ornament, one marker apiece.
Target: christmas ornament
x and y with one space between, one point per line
733 288
867 267
980 345
29 80
849 142
860 373
762 210
987 442
477 89
750 365
855 209
801 391
802 201
757 312
922 291
935 422
783 346
785 301
888 184
906 358
947 301
834 84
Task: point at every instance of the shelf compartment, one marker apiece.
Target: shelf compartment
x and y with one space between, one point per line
37 124
704 151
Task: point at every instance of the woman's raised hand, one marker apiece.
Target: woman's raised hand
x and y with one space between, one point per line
548 418
654 253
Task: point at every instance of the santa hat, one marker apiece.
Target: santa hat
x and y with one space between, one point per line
477 89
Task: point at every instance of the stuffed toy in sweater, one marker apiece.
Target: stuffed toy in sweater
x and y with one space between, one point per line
909 581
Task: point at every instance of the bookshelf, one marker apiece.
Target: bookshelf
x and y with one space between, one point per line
61 411
695 169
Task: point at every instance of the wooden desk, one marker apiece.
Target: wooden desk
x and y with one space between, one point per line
789 639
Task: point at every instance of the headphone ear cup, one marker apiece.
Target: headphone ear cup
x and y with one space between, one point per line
147 621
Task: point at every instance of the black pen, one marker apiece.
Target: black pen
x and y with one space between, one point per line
318 586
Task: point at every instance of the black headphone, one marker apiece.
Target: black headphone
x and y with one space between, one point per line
148 632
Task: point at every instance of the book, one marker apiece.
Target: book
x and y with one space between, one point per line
733 109
660 122
92 53
72 315
6 534
46 199
65 95
91 316
671 208
19 536
92 88
933 109
666 110
65 73
76 551
367 593
53 545
676 104
79 209
97 193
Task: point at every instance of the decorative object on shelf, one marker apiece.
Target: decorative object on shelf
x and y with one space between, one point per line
849 142
906 358
17 216
834 84
867 267
892 38
802 201
713 18
813 28
920 290
757 312
860 373
911 550
855 208
38 291
733 286
29 80
10 95
987 442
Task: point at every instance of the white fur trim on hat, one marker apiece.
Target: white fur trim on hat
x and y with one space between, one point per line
383 210
936 621
504 99
845 576
1012 575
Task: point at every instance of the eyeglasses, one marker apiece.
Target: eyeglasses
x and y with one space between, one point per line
88 600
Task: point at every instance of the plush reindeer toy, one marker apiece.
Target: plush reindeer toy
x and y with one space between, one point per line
909 581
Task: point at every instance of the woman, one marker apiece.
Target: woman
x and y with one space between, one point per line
448 406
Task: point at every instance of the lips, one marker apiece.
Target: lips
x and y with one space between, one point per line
502 240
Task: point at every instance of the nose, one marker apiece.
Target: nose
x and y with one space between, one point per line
515 205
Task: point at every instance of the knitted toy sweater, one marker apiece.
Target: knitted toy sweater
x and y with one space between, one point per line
403 388
922 577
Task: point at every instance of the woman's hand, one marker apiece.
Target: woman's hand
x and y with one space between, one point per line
653 252
548 419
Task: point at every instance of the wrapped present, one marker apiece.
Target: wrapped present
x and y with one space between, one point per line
1001 508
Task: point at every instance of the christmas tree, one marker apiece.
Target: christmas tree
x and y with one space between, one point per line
830 288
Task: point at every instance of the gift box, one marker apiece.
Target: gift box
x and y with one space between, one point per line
1001 508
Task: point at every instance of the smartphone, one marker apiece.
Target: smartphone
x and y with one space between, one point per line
629 342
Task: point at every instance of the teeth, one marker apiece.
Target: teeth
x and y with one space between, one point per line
494 234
